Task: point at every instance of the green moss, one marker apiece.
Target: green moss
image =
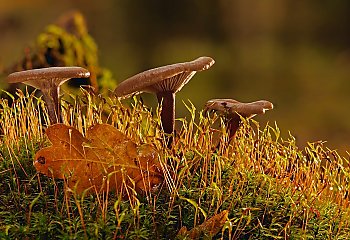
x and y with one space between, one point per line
272 189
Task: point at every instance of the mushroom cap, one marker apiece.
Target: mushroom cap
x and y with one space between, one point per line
39 77
231 107
166 78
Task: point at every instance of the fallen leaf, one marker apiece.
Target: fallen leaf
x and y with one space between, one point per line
103 160
208 228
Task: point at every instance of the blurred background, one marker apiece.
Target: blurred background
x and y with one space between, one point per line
295 54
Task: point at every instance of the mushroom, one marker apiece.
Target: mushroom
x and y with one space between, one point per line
234 110
165 82
48 81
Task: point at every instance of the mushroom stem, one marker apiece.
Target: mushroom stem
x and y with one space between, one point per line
233 125
167 115
52 100
232 122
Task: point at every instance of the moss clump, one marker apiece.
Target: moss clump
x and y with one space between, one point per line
270 187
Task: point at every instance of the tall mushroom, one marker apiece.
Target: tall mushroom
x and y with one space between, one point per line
233 110
48 81
165 82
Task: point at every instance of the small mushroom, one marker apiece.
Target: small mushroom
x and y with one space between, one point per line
165 82
233 110
48 81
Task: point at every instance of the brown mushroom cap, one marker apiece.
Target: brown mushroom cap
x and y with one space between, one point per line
169 78
48 81
38 78
233 110
165 82
231 106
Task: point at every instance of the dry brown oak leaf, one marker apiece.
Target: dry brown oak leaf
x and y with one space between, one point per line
209 228
104 160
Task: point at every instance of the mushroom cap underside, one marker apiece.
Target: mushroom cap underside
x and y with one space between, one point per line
231 106
47 76
166 78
